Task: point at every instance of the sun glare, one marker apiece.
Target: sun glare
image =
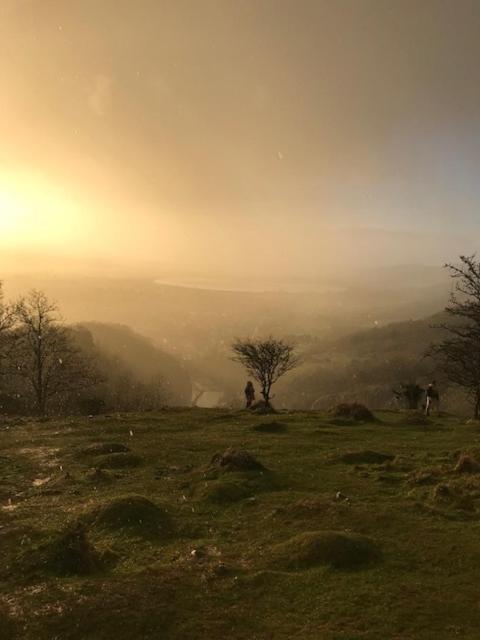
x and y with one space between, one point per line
33 213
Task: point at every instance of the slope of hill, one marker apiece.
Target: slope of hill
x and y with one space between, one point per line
146 361
128 527
365 366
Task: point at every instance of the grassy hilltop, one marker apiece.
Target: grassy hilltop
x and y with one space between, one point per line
131 527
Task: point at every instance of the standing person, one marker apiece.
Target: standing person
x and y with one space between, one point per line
249 394
431 397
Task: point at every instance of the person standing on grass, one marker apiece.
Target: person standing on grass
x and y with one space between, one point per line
431 396
249 394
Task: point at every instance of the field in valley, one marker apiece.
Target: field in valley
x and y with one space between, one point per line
132 527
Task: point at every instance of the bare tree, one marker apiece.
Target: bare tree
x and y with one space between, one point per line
45 355
7 321
265 360
459 351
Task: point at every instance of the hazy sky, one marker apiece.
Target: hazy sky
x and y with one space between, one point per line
241 135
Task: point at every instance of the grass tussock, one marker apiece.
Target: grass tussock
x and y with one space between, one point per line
73 554
132 514
333 548
425 475
226 491
467 464
236 460
352 411
100 476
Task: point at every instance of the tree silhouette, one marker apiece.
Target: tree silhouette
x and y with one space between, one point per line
459 351
265 360
44 354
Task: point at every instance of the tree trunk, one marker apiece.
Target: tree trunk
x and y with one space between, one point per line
41 405
266 396
477 405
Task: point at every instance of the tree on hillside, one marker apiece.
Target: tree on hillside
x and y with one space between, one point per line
7 320
265 360
45 356
459 351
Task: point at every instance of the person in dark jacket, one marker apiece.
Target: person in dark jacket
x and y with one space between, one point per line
249 394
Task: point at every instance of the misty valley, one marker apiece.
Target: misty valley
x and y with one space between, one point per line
357 342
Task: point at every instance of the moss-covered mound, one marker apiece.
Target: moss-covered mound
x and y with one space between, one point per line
425 475
453 496
365 456
104 448
333 548
119 461
352 411
99 476
442 492
467 464
56 484
224 491
236 460
260 408
134 514
72 554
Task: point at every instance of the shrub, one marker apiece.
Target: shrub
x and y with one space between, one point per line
92 406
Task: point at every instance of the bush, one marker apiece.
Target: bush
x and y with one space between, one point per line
93 406
11 404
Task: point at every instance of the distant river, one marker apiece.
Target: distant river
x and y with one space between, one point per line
250 285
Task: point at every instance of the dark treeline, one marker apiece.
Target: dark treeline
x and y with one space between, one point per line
49 368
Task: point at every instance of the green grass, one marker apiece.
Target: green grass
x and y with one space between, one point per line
327 540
